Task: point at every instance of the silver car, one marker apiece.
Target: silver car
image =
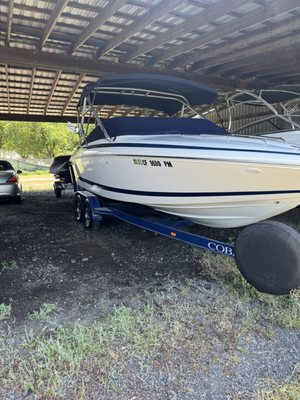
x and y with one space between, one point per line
10 186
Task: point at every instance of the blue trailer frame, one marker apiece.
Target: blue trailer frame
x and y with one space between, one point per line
156 222
266 253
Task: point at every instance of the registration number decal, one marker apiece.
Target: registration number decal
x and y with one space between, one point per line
152 163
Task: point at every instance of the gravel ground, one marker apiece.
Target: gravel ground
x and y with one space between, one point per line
222 348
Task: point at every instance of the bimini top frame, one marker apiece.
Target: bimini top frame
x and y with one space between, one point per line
159 92
286 109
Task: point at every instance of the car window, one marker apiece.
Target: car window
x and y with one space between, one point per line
5 166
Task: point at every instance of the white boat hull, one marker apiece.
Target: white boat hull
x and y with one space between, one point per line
291 137
211 181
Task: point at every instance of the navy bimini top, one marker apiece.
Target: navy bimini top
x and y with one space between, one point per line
194 92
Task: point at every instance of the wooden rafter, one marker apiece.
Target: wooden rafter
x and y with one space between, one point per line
113 111
128 111
264 66
56 13
73 91
31 89
266 35
101 18
192 23
7 87
55 81
266 53
257 16
156 13
9 20
287 67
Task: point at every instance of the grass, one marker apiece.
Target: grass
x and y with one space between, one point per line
8 265
5 311
45 312
49 362
287 390
183 322
35 173
37 181
284 310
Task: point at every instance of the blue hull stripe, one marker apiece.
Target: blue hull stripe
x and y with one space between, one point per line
187 194
171 146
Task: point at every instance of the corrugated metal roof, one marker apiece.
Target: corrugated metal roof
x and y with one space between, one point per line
226 43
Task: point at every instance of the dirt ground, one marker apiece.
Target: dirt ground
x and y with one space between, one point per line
47 257
54 258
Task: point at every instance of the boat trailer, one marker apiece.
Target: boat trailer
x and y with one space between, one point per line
266 253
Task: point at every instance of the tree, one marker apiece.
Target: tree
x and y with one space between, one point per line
40 140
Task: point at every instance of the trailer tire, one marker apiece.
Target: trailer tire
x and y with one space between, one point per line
88 221
57 192
78 208
268 256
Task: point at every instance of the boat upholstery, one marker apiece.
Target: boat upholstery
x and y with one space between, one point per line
154 126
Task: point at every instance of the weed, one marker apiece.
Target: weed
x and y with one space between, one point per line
285 310
288 390
8 265
5 311
44 313
188 319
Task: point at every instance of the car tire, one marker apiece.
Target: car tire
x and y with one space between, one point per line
17 199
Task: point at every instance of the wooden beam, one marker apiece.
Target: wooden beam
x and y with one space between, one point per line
7 87
208 15
55 81
259 15
163 8
73 91
9 20
31 89
51 61
101 18
37 118
56 13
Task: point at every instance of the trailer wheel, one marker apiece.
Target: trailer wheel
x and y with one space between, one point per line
268 256
57 192
88 221
78 209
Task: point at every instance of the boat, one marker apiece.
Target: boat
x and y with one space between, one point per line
271 112
178 165
60 168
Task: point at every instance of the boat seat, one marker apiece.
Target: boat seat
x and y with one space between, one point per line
154 126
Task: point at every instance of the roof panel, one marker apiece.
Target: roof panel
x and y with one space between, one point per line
171 42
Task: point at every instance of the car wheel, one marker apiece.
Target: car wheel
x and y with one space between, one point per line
17 199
